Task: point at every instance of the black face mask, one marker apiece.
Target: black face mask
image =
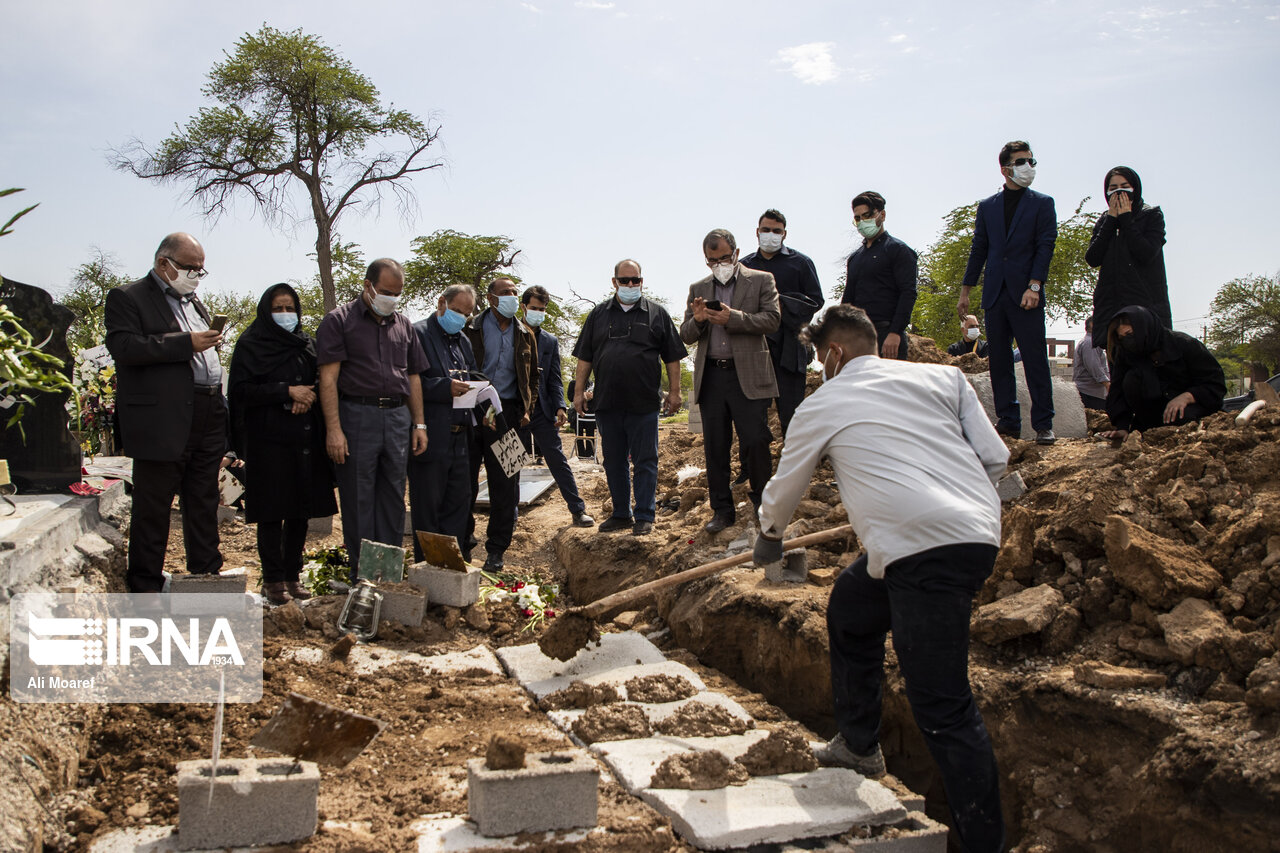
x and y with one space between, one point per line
1130 343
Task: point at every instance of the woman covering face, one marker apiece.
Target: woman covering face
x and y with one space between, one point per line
1127 247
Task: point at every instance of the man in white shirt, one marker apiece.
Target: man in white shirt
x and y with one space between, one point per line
916 461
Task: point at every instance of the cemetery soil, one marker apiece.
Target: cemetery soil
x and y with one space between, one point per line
1124 657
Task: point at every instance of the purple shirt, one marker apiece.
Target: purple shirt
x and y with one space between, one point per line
376 357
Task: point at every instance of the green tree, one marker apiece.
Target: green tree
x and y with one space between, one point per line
1069 288
296 128
451 257
240 310
349 268
1245 319
87 297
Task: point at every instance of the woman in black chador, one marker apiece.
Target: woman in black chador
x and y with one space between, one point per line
1158 377
278 430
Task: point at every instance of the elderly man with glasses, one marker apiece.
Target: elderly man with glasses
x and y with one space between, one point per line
170 409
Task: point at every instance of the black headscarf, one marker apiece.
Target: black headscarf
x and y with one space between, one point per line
1132 177
265 345
1145 348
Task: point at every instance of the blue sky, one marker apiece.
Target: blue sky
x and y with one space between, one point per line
591 130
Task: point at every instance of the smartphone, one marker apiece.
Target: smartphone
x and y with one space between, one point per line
218 322
714 305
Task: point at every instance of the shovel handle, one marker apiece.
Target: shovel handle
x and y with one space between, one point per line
598 609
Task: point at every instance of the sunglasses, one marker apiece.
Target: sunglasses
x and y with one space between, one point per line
629 279
1024 161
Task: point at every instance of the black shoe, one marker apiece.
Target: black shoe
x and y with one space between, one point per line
614 523
1009 430
743 477
1045 436
642 528
493 563
581 519
719 522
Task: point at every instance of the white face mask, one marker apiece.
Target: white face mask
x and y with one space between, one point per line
1023 175
534 318
770 242
383 305
187 280
827 373
724 272
972 333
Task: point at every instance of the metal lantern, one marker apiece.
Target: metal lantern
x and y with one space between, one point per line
360 612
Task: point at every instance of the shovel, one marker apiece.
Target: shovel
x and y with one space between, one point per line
311 730
571 631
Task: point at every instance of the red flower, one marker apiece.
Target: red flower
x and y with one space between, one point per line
498 584
527 612
519 585
549 613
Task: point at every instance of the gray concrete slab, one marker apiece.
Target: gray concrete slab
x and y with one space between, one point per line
1068 411
619 677
541 675
633 762
656 712
777 809
449 834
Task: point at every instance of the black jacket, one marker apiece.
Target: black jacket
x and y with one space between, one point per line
1167 364
1129 252
437 387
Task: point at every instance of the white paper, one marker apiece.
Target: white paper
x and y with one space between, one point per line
469 399
489 394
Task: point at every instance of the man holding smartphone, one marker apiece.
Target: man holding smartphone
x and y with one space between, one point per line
170 410
728 315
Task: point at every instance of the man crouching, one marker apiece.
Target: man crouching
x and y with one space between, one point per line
916 460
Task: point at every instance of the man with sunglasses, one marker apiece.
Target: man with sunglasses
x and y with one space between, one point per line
170 411
1013 238
729 315
625 342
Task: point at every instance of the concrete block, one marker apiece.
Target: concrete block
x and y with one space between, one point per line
792 568
777 809
541 675
96 548
1011 487
1068 412
380 562
403 606
255 801
917 834
226 514
554 790
633 762
445 586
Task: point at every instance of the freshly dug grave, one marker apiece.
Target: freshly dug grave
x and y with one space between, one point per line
1122 566
611 722
659 687
785 750
580 695
699 771
700 719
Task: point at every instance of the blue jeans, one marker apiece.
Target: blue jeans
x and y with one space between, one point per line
630 439
925 599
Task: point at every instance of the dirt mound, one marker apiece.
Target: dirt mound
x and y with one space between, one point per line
659 688
568 635
699 771
579 694
785 750
611 722
504 753
700 719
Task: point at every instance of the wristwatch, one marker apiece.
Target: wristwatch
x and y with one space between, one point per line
419 426
1035 288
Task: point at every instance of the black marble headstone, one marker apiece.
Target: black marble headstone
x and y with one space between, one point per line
49 459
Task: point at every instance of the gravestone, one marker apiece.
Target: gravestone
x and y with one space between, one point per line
49 458
379 562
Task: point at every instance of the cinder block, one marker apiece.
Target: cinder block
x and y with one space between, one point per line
916 834
405 606
792 568
1011 487
380 562
255 801
232 582
445 586
554 790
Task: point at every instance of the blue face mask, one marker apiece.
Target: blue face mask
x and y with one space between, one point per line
286 320
534 318
629 294
451 321
508 305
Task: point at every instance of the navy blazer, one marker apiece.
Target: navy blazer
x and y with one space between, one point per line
1014 258
550 382
437 384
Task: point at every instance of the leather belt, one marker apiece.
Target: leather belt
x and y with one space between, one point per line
722 363
380 402
211 390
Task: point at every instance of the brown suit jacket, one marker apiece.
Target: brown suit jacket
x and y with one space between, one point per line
754 313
